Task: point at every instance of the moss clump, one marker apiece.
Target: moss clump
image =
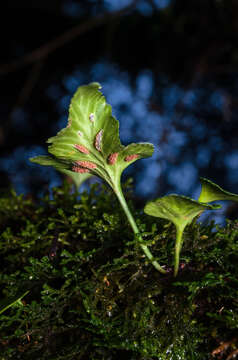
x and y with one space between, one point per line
93 294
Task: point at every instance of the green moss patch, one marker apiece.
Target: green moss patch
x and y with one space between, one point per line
89 292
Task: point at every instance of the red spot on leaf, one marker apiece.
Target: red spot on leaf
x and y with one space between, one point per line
98 140
81 148
131 157
86 164
112 158
79 169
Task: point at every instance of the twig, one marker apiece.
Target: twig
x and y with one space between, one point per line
29 84
44 50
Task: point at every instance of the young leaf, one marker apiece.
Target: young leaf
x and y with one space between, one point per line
212 192
180 210
63 167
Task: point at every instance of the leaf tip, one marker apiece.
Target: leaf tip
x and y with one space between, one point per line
95 85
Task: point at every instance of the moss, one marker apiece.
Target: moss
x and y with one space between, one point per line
93 294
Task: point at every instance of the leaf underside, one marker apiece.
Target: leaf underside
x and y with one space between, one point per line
212 192
63 167
92 138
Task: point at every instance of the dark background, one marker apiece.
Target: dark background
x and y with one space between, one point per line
169 68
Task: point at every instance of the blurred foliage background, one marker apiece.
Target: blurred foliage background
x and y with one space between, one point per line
169 69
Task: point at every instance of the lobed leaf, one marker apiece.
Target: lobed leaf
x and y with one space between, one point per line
92 137
179 209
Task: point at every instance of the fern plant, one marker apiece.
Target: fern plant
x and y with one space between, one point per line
90 145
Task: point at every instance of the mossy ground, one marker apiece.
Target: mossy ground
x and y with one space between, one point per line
93 294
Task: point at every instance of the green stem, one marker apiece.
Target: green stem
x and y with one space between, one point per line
178 245
132 222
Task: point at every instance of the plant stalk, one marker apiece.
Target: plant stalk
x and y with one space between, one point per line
121 198
178 245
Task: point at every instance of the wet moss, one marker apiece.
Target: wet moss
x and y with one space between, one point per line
93 294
